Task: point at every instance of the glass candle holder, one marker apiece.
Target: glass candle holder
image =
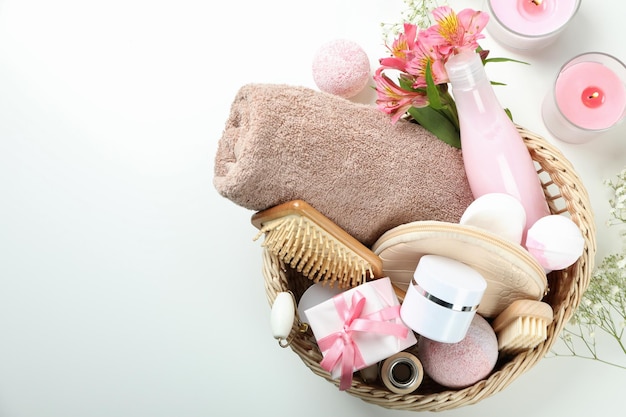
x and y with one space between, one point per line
587 99
529 24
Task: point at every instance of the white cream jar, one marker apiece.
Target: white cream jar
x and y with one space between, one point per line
442 299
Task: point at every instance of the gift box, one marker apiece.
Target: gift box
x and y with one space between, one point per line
358 328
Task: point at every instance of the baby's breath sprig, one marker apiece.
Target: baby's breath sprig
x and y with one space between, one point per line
618 201
603 305
416 12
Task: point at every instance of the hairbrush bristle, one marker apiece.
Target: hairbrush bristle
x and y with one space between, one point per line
300 243
522 334
522 325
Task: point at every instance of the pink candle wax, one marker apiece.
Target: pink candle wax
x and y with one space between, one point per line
533 17
590 95
588 98
529 25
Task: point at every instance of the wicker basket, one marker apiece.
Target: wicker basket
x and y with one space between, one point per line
566 195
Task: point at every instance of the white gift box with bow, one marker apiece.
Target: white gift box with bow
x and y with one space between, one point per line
358 328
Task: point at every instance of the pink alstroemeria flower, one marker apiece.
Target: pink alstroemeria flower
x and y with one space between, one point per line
455 33
411 54
426 53
394 100
402 49
416 51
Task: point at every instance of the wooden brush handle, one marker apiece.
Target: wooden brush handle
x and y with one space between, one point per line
523 308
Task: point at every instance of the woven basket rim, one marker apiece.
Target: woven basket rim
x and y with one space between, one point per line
565 194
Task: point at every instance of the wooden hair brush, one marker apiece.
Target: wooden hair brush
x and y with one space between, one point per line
522 325
315 246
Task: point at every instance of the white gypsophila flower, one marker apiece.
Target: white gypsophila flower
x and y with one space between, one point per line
417 12
603 304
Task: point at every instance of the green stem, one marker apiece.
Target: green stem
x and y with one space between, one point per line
454 114
449 109
591 358
621 344
590 346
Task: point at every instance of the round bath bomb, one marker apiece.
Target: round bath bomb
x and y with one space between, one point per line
555 242
341 67
459 365
498 213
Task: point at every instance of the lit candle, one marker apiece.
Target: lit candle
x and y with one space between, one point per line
529 24
588 98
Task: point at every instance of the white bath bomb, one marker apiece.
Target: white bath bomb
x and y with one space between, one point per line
341 67
459 365
555 241
498 213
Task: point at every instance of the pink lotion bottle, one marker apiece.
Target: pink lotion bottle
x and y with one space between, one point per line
495 156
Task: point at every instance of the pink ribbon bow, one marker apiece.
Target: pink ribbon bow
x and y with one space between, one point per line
340 348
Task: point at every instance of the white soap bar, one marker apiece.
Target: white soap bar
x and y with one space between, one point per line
282 315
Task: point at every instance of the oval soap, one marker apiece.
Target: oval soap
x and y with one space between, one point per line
282 315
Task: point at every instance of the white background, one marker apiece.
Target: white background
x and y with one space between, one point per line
128 285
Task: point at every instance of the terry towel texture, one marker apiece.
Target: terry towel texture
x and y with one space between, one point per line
347 160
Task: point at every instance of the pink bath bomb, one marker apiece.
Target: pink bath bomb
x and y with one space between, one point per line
459 365
555 241
341 67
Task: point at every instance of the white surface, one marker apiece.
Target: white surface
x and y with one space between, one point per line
129 287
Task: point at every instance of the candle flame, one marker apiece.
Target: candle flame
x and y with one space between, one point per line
594 95
537 2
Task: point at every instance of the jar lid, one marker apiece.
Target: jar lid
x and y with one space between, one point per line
448 282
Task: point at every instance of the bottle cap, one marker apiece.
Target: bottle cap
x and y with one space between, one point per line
465 70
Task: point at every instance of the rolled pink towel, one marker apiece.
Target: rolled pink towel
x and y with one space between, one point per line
347 160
